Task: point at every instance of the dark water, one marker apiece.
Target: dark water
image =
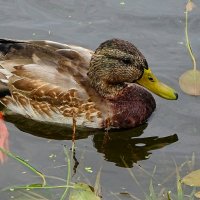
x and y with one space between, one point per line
157 29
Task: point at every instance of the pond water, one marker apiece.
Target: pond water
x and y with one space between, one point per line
171 134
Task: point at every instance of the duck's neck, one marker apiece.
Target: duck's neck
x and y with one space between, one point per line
103 87
132 107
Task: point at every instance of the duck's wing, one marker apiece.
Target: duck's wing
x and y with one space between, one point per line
44 60
45 77
42 64
71 51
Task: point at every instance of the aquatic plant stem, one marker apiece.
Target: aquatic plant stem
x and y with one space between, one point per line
188 45
43 187
67 155
68 172
133 176
11 155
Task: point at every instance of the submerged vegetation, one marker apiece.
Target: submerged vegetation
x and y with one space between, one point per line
83 191
78 191
157 190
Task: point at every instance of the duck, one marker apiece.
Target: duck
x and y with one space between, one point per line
58 83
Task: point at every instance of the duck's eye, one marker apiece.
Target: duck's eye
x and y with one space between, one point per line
126 61
150 78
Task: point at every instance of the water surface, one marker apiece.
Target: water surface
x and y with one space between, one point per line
157 29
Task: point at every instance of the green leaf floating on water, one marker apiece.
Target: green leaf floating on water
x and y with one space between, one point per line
82 191
192 179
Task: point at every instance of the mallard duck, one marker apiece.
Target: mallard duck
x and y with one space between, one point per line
52 82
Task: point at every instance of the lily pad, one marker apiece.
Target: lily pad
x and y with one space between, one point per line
192 179
190 82
82 191
190 6
197 195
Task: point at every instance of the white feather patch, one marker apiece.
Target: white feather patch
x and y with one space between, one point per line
4 81
55 117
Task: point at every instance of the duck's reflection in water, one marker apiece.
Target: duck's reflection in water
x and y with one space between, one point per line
124 148
127 148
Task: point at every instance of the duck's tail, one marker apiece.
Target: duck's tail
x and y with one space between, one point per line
4 90
5 47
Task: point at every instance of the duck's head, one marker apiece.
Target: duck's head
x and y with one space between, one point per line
117 62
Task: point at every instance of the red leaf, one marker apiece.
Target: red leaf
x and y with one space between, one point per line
4 135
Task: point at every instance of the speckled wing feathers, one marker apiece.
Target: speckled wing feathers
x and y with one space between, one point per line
47 83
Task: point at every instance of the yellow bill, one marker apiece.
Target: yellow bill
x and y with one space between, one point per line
149 81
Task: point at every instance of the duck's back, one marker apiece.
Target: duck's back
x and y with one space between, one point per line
48 82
